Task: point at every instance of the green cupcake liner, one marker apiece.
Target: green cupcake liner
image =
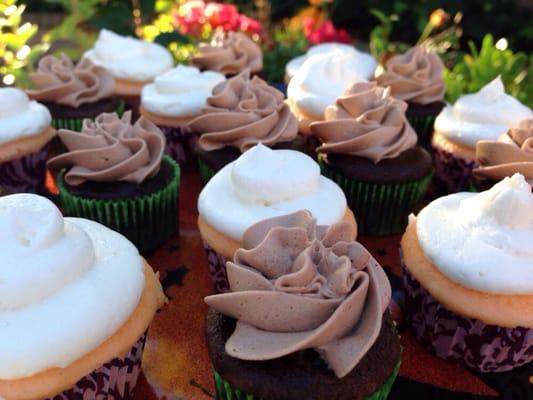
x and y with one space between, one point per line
423 126
75 124
206 172
380 209
146 221
224 390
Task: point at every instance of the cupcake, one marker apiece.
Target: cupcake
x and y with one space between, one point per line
241 113
367 64
262 183
73 92
417 78
229 53
512 153
173 100
485 115
320 80
133 63
306 317
76 302
369 149
25 132
468 277
115 173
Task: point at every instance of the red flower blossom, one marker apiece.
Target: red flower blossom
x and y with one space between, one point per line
324 32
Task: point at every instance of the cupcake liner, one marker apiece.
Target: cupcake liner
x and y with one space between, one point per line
485 348
380 209
114 380
224 390
206 172
217 267
146 221
452 174
25 174
75 124
423 126
180 145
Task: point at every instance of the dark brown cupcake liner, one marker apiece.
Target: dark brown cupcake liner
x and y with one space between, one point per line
452 174
25 174
115 379
180 144
217 267
453 337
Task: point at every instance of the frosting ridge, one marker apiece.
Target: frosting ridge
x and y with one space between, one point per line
111 149
303 286
58 80
415 76
243 112
229 53
366 121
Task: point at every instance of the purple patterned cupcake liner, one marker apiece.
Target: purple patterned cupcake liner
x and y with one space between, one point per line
217 267
25 174
114 380
181 143
452 174
482 347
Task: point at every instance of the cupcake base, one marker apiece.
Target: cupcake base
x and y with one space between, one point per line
146 214
422 118
180 144
301 375
25 174
453 337
217 267
114 380
452 173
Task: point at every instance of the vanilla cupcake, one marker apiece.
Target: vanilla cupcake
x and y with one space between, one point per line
25 132
468 277
73 92
320 80
229 53
511 153
263 183
416 77
133 62
367 63
173 100
76 300
485 115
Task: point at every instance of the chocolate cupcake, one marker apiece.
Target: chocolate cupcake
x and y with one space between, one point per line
115 173
25 134
73 92
229 53
76 302
369 149
468 279
306 317
262 183
484 115
173 100
512 153
241 113
417 78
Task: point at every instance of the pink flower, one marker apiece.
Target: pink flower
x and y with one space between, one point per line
222 15
325 32
250 25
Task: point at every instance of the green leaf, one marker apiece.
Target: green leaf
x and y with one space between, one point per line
166 38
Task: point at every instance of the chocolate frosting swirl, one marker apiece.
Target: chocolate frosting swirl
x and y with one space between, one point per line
229 53
296 286
415 76
512 154
111 149
366 121
243 112
57 80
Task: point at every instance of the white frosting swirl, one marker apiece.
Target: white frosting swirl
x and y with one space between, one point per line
366 63
324 77
264 183
129 58
20 117
484 115
60 278
483 240
180 92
